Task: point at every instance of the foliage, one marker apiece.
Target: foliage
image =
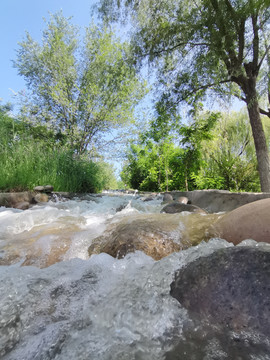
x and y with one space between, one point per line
27 160
192 137
145 168
217 152
151 163
229 160
148 165
80 91
206 45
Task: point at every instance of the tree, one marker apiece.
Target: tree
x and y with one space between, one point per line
221 45
152 157
192 137
79 91
229 160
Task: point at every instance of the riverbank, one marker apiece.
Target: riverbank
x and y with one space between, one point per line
211 201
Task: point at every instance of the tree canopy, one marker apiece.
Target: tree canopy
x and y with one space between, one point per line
203 45
80 90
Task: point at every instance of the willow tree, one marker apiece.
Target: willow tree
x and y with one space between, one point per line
80 90
203 45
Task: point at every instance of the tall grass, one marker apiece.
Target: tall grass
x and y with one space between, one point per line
26 164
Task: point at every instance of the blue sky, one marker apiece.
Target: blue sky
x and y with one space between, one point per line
19 16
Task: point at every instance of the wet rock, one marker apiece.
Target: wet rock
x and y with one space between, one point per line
167 197
39 188
24 205
121 207
250 221
12 199
148 198
176 207
10 327
39 198
48 188
87 197
157 235
229 289
182 200
206 343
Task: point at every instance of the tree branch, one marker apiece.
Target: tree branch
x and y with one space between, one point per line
255 44
263 112
169 49
263 57
203 87
240 97
241 40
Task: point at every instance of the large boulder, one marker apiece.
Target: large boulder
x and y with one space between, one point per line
230 287
155 235
227 295
251 221
178 207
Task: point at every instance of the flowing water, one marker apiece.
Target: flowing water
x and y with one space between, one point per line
58 303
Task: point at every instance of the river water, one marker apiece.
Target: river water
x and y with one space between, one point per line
57 303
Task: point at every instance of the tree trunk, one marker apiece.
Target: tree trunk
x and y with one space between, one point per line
259 138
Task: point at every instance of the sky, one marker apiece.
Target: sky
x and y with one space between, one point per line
19 16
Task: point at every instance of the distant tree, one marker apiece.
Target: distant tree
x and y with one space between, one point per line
199 45
152 156
229 160
79 91
192 137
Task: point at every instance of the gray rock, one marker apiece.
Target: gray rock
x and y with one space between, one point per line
12 199
229 288
167 198
227 295
48 188
39 188
24 205
121 207
176 207
148 198
219 200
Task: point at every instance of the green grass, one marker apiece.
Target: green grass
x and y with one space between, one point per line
25 165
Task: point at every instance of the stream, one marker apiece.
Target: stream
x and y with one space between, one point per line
58 303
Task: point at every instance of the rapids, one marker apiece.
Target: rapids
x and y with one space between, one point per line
57 303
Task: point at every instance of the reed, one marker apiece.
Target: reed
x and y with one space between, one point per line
26 164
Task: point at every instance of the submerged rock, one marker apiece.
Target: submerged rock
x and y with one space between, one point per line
177 207
250 221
